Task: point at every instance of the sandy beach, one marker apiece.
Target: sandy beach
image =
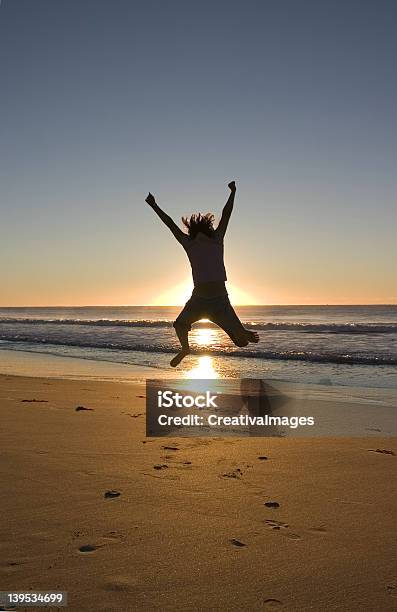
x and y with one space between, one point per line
190 528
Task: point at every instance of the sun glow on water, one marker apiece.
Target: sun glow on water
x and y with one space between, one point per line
204 336
205 369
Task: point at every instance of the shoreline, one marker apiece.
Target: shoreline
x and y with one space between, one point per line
43 364
68 367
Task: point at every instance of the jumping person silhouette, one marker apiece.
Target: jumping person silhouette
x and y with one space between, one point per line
204 247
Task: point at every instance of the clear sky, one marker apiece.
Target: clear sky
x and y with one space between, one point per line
102 101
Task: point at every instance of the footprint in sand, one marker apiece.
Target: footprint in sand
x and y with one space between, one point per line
111 494
392 590
279 525
35 401
272 504
183 465
79 408
319 529
273 604
112 537
233 474
236 472
384 451
175 464
237 543
276 524
87 548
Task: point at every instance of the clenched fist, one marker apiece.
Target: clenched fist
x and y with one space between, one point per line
150 200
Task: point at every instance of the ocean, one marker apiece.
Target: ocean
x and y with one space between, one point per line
345 345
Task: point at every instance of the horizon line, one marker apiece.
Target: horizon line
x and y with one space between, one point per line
180 305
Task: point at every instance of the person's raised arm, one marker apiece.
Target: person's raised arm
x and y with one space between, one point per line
178 233
227 211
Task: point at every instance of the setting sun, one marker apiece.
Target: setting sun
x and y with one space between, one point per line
180 293
174 296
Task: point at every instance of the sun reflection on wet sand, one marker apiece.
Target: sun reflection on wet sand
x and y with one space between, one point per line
205 369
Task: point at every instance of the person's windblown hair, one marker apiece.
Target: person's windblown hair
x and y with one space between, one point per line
200 223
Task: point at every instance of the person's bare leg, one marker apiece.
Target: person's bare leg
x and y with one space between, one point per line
182 332
241 336
232 325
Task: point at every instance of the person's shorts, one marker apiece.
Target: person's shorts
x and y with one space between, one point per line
217 309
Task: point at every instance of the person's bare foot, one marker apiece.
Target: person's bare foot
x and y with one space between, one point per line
178 358
252 336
